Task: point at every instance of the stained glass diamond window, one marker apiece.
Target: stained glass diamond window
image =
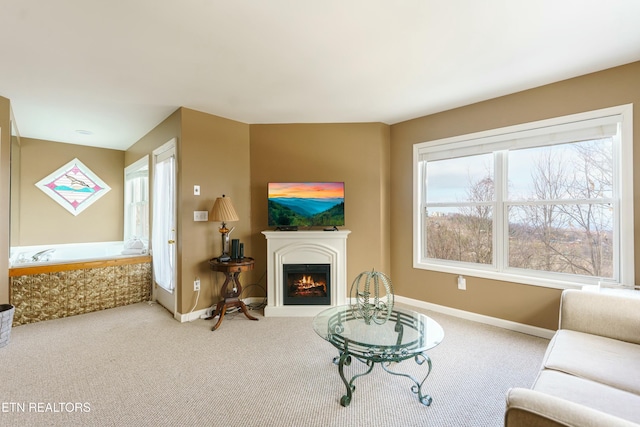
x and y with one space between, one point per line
74 186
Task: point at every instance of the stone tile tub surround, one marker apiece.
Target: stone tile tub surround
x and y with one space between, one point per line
56 288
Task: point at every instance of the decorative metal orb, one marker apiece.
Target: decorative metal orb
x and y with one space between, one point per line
369 303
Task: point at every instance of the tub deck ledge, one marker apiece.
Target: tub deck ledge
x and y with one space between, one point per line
53 266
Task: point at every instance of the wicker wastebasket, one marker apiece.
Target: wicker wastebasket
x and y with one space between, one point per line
6 319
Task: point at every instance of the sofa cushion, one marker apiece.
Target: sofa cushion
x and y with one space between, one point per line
590 393
604 360
532 408
613 315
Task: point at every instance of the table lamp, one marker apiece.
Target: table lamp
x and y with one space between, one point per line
223 211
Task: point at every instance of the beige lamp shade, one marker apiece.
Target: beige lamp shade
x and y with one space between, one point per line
223 210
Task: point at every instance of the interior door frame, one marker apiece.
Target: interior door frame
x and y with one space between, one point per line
167 299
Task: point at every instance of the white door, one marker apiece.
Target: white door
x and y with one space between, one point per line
164 236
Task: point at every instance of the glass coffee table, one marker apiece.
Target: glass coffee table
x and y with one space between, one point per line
404 335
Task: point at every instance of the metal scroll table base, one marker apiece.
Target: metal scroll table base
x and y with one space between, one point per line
399 336
345 360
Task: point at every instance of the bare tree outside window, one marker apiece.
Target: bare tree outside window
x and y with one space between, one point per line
564 225
593 180
535 225
558 208
460 228
546 203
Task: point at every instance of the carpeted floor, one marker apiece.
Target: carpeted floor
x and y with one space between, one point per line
135 365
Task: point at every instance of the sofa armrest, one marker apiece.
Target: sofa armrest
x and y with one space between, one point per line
530 408
608 315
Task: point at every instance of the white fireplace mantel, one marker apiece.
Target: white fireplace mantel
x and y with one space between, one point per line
305 247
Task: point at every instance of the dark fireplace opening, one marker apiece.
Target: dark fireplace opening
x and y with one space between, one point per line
306 284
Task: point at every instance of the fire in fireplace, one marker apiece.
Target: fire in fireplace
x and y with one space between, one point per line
306 284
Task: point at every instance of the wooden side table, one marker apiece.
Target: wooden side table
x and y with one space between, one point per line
231 270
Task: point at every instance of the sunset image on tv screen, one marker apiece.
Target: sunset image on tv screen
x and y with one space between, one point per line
306 204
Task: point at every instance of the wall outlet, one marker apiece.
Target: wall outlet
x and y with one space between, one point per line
462 283
196 284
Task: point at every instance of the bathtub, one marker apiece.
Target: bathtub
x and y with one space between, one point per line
70 279
25 256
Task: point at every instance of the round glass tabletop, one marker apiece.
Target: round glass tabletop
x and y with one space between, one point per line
403 335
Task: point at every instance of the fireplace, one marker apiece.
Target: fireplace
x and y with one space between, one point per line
306 284
306 248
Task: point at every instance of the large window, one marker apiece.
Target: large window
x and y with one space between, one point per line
547 203
136 200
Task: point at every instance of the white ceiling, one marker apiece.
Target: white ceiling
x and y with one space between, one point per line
118 68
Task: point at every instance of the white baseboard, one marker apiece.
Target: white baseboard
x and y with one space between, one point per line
255 300
195 315
189 317
480 318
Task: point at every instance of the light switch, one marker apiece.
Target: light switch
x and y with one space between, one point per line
196 190
200 215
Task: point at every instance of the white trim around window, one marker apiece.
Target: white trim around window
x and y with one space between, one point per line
136 200
614 123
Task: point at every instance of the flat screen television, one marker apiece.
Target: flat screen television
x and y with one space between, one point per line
306 204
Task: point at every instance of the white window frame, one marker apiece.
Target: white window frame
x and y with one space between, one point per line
130 172
527 135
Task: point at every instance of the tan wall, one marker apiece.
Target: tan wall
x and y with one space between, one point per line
531 305
214 154
166 130
374 160
43 221
357 154
14 235
5 178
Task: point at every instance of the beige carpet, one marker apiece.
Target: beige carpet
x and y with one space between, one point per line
135 365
